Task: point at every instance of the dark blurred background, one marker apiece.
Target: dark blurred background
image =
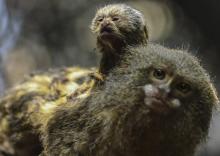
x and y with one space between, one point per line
39 34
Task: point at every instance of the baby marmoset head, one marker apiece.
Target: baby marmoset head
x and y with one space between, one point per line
119 25
157 101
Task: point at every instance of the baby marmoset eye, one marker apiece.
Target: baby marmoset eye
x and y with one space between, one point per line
99 19
115 18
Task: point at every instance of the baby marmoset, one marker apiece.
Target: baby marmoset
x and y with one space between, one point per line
117 26
25 108
157 102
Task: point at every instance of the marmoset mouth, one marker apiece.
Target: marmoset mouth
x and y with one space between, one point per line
106 31
157 105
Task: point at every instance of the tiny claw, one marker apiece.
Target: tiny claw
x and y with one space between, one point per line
97 76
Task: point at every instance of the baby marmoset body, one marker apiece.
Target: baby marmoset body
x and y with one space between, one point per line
117 26
158 102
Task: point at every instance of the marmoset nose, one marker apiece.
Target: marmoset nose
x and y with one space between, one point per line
105 23
164 88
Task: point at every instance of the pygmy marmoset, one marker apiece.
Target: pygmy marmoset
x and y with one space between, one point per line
117 26
157 102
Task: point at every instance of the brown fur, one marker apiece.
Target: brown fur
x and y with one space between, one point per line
115 121
25 108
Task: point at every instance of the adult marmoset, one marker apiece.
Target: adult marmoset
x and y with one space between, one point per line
157 102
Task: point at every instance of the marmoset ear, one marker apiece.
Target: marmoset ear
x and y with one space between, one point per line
146 33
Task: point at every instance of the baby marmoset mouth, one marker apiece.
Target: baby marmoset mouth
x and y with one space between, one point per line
109 33
110 39
106 30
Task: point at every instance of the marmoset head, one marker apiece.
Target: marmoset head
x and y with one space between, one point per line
172 80
119 25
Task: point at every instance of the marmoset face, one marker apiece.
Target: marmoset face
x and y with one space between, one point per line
172 80
166 90
120 23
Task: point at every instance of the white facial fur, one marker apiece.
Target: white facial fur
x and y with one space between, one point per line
152 91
